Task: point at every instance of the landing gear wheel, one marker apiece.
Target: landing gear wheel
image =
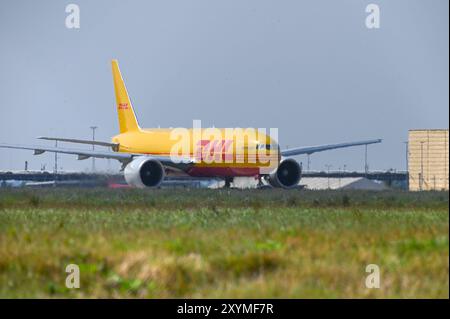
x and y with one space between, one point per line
260 182
228 181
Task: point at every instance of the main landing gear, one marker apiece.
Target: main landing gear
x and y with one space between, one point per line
261 184
228 181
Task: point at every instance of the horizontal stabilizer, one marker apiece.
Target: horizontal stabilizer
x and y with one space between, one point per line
37 152
114 146
82 157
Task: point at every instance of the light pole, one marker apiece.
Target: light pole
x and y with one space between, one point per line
421 166
406 155
366 166
328 166
407 162
56 159
339 177
93 128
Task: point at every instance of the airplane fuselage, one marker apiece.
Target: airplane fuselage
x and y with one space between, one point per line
216 152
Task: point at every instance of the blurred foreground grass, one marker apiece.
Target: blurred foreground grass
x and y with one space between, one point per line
223 243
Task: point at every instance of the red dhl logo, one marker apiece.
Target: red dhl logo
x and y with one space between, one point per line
214 151
123 106
221 151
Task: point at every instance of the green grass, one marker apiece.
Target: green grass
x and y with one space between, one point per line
220 243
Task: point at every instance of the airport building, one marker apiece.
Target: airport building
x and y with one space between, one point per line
361 183
428 164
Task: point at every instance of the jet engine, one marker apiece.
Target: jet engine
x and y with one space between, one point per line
287 175
144 172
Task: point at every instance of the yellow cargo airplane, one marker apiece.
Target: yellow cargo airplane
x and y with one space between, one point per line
148 155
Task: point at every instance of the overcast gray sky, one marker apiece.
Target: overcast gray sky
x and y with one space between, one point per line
311 68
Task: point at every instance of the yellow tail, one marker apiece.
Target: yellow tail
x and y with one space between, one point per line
127 119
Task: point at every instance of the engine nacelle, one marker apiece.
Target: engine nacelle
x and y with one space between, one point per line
287 175
144 172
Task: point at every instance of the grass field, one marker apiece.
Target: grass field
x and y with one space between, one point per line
223 243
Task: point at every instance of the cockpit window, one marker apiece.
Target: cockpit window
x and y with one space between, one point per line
264 146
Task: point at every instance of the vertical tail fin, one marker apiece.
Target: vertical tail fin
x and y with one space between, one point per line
127 118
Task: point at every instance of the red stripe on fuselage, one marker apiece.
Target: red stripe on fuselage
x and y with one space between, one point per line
197 171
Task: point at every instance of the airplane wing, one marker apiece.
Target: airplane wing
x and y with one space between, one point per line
177 163
114 146
313 149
